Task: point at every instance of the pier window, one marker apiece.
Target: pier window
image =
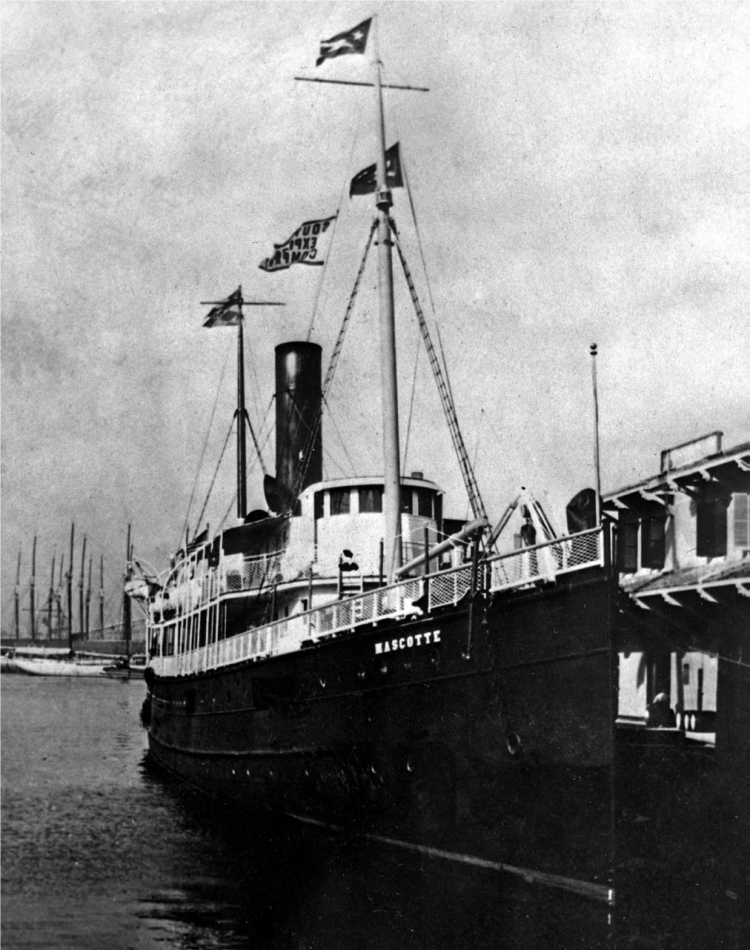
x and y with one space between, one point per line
627 544
742 522
370 499
340 501
711 527
652 542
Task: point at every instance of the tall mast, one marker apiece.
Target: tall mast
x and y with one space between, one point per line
70 587
32 592
241 448
18 598
58 625
391 452
81 623
101 596
88 597
126 616
51 599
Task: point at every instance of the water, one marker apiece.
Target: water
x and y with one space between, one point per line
99 851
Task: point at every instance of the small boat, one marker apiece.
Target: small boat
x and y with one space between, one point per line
133 668
89 666
11 655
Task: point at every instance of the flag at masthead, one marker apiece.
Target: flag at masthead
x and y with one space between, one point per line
223 314
350 41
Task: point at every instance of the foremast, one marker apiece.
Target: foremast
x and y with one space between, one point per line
389 381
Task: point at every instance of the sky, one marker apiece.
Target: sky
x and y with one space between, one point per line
579 174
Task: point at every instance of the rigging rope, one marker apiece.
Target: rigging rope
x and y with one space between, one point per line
203 452
335 225
343 444
307 453
472 489
216 472
411 408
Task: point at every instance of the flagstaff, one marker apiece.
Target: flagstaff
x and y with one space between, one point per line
391 450
224 315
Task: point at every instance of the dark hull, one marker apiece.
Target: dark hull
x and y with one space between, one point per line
490 740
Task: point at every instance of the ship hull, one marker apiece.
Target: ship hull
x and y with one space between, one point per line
483 731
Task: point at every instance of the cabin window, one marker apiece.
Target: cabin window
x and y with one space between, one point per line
424 503
653 542
340 501
627 545
711 527
318 505
742 521
406 501
370 499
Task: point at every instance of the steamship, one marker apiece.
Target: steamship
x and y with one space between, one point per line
352 657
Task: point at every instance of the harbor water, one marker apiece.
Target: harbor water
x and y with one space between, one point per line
100 851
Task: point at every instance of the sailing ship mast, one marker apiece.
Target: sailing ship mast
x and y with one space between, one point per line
126 612
88 596
32 592
51 598
101 596
18 598
81 618
70 587
58 597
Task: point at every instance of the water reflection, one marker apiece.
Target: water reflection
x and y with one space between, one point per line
270 882
101 851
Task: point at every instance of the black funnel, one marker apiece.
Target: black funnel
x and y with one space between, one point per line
297 405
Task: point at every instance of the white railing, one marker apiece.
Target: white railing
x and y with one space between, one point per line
544 562
405 599
195 586
250 573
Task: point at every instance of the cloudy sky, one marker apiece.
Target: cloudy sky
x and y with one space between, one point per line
579 173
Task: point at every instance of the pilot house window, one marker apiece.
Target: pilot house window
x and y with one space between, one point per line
370 499
340 499
424 503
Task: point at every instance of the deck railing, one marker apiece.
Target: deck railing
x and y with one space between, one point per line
544 562
409 598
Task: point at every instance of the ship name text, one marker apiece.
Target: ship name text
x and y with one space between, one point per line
406 643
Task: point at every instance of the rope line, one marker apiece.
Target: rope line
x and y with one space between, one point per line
203 452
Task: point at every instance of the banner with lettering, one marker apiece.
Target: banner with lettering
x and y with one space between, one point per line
308 245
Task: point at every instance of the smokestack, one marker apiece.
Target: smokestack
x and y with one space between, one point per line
298 393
